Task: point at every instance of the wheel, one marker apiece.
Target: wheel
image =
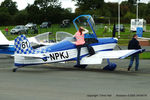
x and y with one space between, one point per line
80 66
14 70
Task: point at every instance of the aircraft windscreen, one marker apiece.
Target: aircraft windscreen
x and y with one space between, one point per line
85 21
60 36
43 37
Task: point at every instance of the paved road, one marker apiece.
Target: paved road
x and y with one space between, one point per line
63 82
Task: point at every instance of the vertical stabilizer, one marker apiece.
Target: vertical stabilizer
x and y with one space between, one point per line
22 45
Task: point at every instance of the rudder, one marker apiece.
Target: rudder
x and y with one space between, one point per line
22 45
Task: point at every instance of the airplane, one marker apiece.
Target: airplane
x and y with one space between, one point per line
7 47
66 50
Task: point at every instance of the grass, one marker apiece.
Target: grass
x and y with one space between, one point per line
124 37
123 40
145 55
54 28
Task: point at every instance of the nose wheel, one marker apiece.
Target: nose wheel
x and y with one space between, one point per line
16 68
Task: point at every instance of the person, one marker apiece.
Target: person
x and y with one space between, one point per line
80 42
6 30
134 44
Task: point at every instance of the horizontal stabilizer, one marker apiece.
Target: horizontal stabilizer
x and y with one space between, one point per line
32 56
3 46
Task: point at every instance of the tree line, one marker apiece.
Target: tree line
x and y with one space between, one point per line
51 10
38 12
109 10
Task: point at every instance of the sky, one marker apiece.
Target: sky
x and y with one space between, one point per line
146 1
23 3
65 3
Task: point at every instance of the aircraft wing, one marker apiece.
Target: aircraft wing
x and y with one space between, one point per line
116 54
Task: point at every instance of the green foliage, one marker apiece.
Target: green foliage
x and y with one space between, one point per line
21 17
100 8
129 16
10 5
51 10
40 11
5 17
131 2
89 5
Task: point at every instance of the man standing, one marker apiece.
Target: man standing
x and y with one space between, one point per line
134 44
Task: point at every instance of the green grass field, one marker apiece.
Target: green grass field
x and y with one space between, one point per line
123 40
145 55
124 36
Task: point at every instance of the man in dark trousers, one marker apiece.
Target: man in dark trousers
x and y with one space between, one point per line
134 44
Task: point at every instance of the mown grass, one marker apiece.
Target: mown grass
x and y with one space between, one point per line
145 55
123 40
54 28
124 36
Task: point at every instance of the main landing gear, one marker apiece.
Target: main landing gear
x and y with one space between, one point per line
110 66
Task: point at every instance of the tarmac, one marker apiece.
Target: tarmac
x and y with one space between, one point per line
60 81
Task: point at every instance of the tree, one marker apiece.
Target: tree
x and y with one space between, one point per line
21 17
44 6
11 6
129 16
89 4
33 13
142 10
132 2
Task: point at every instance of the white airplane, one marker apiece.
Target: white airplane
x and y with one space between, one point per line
7 47
66 50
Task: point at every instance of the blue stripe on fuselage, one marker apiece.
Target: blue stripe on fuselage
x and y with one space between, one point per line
65 45
7 50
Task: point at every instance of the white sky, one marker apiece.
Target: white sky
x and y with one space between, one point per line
65 3
146 1
23 3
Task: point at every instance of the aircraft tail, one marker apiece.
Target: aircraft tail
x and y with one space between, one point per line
22 45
